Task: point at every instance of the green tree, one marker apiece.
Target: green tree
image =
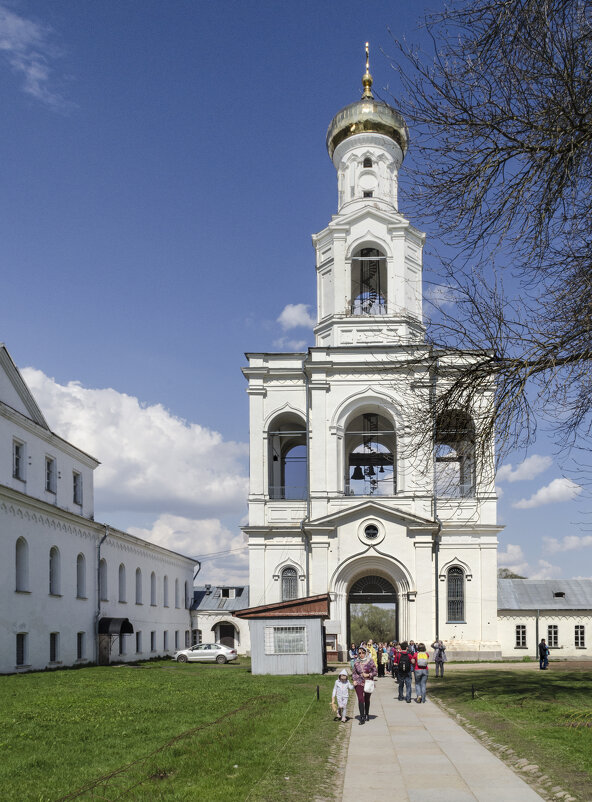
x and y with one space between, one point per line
505 573
369 621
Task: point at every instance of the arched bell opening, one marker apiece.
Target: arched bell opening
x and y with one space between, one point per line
455 455
368 282
372 610
370 456
287 458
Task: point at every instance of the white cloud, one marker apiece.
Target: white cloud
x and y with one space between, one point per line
200 538
27 47
296 315
285 344
151 460
439 295
512 555
528 469
545 571
554 545
558 490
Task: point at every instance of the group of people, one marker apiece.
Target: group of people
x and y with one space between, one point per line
369 661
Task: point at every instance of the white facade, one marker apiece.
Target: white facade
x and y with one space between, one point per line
50 604
345 495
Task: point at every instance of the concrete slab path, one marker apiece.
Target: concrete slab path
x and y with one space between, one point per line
417 752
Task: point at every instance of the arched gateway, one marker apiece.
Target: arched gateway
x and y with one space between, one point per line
373 589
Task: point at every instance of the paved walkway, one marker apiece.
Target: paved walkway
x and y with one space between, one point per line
417 752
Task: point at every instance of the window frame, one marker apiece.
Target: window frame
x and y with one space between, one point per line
54 572
289 579
81 576
18 459
520 636
21 565
459 599
273 640
77 488
580 636
81 645
54 647
22 646
553 636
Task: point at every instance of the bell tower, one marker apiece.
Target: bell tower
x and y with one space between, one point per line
368 258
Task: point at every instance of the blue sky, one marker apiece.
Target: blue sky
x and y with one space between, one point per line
162 169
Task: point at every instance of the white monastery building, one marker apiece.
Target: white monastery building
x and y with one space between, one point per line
347 495
73 590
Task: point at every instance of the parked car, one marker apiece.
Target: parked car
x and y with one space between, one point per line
206 651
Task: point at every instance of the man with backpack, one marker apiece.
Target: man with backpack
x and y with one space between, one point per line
404 673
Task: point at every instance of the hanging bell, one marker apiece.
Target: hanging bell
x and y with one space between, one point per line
371 471
381 469
358 473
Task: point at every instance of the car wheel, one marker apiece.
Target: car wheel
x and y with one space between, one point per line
182 658
220 659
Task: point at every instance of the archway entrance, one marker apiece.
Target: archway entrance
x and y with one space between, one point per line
372 610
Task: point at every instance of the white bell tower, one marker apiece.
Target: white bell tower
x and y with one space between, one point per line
369 258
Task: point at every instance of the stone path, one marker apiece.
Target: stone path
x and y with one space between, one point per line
417 752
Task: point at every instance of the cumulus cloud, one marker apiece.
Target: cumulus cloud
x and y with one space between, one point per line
558 490
514 559
285 344
294 316
552 545
151 460
545 570
27 48
439 295
222 553
528 469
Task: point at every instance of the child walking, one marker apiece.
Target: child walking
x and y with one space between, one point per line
340 696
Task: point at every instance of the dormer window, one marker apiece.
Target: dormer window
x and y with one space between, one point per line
367 162
227 593
559 594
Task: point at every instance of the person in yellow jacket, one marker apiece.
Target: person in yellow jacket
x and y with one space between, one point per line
372 650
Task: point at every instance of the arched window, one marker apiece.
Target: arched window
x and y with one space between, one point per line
177 593
187 600
289 584
54 571
456 594
370 456
81 576
287 458
103 587
367 162
21 564
153 589
122 588
368 282
165 591
138 586
455 455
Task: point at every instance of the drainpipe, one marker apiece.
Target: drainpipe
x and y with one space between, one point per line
305 535
98 615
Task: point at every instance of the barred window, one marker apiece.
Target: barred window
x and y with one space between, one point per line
553 636
520 636
456 594
289 584
21 648
285 640
580 637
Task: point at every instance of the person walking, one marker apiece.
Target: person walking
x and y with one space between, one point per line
364 672
404 672
340 695
439 657
543 655
353 653
420 665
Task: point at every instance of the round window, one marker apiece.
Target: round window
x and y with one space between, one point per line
371 531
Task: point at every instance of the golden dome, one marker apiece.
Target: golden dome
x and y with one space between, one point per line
367 115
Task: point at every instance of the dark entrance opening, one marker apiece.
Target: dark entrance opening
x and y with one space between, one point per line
382 615
226 635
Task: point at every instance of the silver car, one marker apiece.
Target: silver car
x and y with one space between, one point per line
206 651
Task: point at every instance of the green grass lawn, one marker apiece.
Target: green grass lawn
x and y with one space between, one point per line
545 717
166 731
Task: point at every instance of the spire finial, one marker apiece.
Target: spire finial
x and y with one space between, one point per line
367 78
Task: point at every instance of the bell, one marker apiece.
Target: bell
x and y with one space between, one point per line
381 469
370 471
358 473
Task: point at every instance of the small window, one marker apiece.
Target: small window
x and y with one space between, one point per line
103 585
153 589
367 162
22 565
50 474
553 636
177 597
80 645
153 641
21 649
77 488
81 576
138 642
227 593
285 640
520 636
176 639
54 647
187 599
289 584
580 640
165 591
371 532
369 194
18 460
54 571
122 584
456 595
138 586
187 638
559 594
165 640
